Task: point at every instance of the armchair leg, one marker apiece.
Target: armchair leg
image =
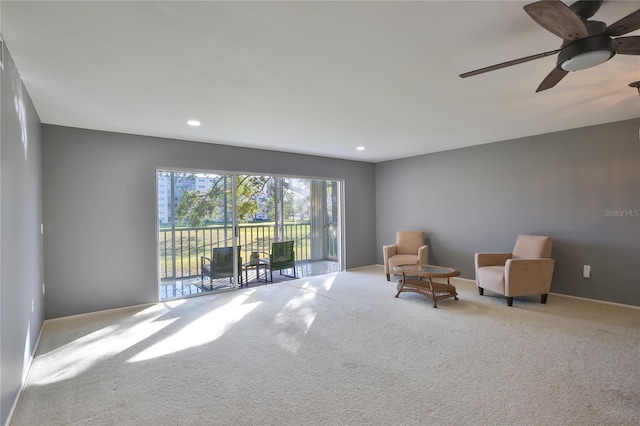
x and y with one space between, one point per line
543 298
509 301
481 291
388 277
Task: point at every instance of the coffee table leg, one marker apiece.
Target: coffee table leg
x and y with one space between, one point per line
433 294
400 285
456 295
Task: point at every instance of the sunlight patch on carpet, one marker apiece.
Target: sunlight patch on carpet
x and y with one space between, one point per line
294 321
80 355
325 284
206 329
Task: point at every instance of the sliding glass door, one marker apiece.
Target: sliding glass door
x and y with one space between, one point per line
213 226
196 233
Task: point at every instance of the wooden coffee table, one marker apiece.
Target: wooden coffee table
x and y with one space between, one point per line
418 279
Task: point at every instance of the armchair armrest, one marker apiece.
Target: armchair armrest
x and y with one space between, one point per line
491 259
203 258
389 251
423 255
528 276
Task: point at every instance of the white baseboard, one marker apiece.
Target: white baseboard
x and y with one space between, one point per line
364 267
141 305
622 305
465 280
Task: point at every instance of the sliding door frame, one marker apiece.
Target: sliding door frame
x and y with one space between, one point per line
278 178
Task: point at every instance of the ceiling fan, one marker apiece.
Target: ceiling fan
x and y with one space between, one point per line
586 43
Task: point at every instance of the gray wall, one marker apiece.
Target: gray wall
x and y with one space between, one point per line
560 184
100 210
21 271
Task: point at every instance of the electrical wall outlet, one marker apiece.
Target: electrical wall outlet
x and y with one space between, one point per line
586 271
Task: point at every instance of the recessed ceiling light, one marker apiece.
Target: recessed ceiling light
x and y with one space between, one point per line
360 148
194 123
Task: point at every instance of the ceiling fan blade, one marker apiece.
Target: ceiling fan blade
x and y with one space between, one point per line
628 45
557 18
629 23
552 79
509 63
585 9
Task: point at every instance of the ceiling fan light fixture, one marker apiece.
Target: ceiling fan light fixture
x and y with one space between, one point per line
586 53
586 60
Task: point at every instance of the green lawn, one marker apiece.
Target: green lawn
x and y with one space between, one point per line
192 243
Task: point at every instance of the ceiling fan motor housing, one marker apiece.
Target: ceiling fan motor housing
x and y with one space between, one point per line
586 53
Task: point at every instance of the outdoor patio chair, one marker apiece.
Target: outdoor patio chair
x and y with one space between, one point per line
282 257
220 265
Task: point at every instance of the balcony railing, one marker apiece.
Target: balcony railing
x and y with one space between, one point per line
192 243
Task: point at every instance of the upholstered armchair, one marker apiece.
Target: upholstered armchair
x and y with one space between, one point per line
409 249
525 271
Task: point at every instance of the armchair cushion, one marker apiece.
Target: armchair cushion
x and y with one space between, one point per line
408 242
491 277
532 247
491 259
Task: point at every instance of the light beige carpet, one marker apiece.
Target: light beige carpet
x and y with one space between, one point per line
339 349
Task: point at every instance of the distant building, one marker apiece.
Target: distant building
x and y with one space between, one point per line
183 182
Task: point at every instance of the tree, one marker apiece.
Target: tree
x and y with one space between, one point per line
254 194
197 207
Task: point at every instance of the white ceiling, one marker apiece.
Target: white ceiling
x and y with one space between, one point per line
309 77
